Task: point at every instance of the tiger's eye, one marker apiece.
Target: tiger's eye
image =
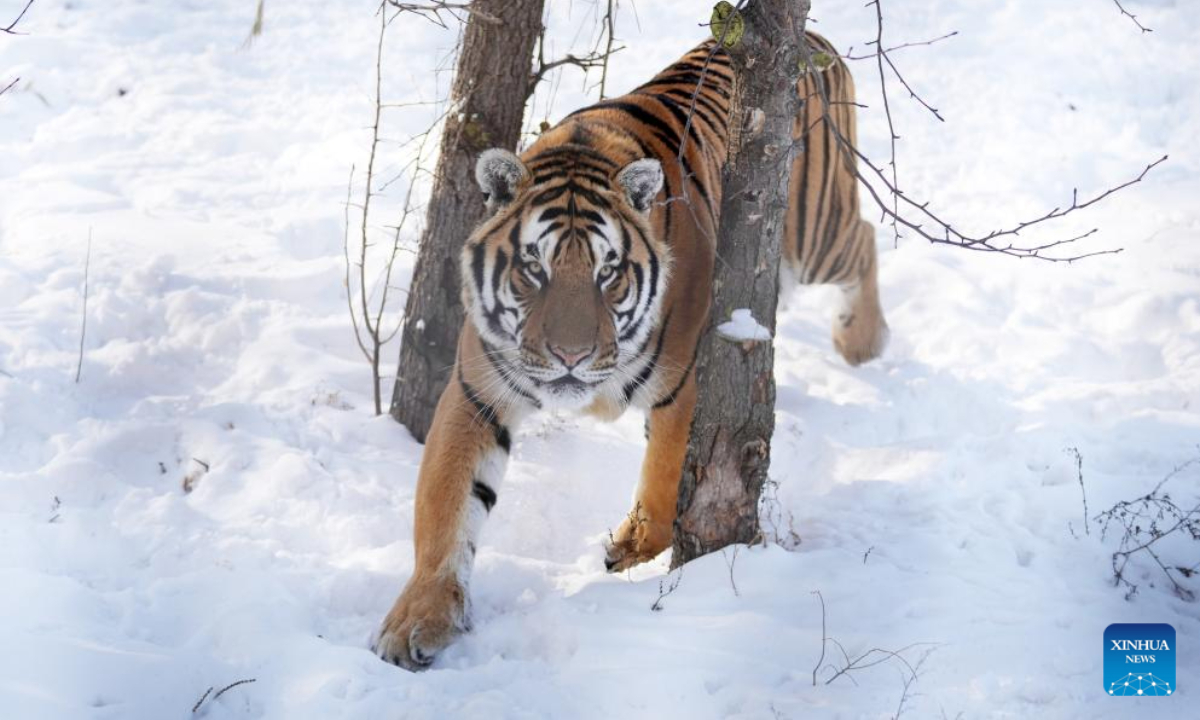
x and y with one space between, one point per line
606 272
533 267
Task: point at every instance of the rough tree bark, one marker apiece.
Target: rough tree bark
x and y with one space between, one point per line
729 446
488 101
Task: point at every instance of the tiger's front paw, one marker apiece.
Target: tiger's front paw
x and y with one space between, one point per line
427 617
638 540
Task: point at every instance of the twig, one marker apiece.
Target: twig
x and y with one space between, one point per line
910 681
662 593
610 25
947 234
367 322
824 637
220 692
1079 472
11 29
880 56
346 252
942 232
432 11
1131 16
866 659
851 56
730 563
201 700
83 325
232 685
1141 521
585 63
366 209
596 58
861 662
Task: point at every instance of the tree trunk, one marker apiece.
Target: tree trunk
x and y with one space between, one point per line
729 446
489 91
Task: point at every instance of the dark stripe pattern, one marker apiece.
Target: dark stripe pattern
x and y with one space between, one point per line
487 413
484 494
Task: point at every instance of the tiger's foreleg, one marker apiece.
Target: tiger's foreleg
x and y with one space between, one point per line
465 456
649 527
860 332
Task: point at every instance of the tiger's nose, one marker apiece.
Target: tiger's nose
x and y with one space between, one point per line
571 356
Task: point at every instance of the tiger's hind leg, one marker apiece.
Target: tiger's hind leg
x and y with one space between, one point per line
860 332
829 243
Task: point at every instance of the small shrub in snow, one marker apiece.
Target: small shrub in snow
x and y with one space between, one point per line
1144 522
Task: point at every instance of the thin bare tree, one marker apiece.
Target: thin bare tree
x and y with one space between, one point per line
487 101
367 301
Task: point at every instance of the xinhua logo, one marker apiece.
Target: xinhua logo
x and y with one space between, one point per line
1139 659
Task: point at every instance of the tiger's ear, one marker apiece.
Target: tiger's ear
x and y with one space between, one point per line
641 180
499 174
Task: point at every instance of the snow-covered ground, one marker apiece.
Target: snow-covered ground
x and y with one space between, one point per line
929 493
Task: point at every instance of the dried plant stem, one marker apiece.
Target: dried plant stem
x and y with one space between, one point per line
87 265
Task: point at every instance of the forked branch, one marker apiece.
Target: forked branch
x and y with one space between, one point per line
11 29
434 9
598 58
901 211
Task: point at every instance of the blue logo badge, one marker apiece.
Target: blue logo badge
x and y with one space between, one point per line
1139 659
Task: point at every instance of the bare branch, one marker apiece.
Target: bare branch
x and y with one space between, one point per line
367 312
11 29
868 659
585 63
220 692
730 563
610 20
824 637
362 320
87 265
1142 522
349 288
1131 16
432 11
905 212
596 58
911 680
665 588
911 93
851 56
1079 473
887 110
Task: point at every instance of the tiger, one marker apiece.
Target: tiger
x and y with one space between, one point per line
587 287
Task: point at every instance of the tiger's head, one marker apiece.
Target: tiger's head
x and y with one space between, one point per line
564 281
